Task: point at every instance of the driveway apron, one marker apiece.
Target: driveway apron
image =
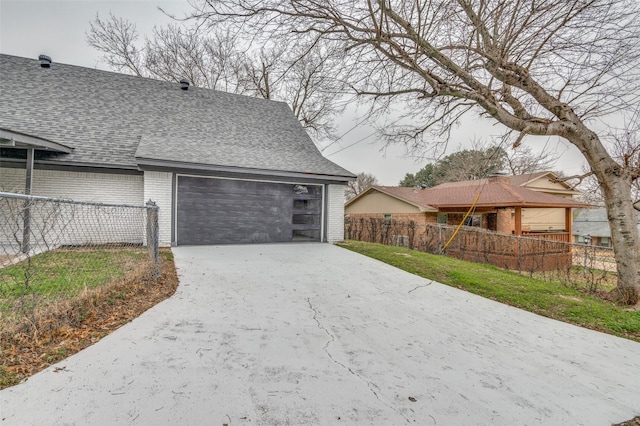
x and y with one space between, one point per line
290 334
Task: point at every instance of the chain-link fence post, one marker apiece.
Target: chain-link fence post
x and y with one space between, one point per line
153 231
26 226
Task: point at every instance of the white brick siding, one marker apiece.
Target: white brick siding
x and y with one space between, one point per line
157 188
335 213
78 186
12 180
67 224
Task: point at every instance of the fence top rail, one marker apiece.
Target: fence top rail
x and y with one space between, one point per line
82 203
474 230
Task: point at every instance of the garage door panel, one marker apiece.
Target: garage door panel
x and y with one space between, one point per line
221 211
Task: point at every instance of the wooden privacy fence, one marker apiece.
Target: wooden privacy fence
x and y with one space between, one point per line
522 254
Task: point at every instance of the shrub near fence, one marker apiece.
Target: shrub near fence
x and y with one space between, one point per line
53 250
574 264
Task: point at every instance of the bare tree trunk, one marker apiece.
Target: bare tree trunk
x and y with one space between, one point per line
624 234
615 182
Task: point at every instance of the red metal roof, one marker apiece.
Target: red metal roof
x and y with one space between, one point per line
492 194
516 180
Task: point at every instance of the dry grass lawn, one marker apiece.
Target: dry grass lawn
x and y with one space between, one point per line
71 326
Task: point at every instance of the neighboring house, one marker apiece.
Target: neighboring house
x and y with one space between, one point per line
520 205
594 224
223 168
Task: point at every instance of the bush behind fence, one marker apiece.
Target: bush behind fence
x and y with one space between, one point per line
52 250
578 265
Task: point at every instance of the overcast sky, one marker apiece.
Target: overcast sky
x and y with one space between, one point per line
58 28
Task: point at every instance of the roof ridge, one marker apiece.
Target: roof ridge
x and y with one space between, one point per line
151 79
511 189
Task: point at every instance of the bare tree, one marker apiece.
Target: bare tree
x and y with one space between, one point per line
304 78
363 182
116 39
588 185
172 53
214 58
522 160
625 150
469 164
539 68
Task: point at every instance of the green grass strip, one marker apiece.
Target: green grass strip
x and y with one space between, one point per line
550 299
64 273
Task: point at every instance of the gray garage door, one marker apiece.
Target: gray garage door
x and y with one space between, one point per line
224 211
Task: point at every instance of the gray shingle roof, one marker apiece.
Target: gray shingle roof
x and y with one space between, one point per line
594 222
118 120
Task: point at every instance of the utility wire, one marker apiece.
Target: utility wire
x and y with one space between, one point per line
361 139
352 144
344 134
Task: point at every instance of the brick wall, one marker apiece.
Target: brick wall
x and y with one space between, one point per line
506 223
335 213
400 229
71 225
79 186
158 188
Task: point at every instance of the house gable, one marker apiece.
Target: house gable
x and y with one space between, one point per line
376 202
547 183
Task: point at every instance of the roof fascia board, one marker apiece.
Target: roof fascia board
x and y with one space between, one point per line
148 164
523 204
32 142
554 178
360 195
555 191
536 178
70 166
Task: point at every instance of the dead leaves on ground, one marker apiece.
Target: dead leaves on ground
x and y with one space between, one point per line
30 351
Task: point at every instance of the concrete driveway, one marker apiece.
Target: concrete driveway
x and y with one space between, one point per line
315 334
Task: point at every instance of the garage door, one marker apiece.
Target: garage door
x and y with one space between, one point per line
225 211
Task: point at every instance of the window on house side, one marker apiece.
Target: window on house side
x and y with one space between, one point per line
475 220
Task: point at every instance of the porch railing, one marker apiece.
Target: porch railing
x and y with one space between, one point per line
564 237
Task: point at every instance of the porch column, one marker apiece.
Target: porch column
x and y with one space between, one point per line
568 223
26 228
518 221
504 222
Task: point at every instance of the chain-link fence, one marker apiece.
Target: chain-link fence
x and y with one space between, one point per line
53 250
585 266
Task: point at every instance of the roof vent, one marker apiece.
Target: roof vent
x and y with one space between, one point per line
45 61
184 84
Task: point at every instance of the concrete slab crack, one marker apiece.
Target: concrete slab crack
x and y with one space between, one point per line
420 286
372 387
